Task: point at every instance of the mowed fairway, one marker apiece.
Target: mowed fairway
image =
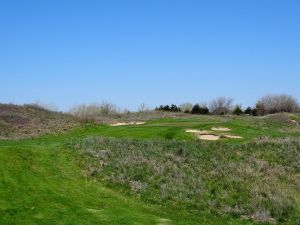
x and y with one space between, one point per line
43 180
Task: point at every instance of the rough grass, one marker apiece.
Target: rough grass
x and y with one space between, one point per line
30 120
258 180
41 178
41 183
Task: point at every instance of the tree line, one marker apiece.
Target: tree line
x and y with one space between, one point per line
266 105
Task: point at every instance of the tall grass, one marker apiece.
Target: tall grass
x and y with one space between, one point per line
258 180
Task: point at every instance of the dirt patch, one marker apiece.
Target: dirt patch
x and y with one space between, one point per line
209 137
225 129
232 136
126 123
197 131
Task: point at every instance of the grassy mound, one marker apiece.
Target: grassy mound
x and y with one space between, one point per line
32 120
258 180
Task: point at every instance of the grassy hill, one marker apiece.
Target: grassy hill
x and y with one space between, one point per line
32 120
154 173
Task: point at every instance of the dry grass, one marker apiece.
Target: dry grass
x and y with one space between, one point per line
31 120
258 181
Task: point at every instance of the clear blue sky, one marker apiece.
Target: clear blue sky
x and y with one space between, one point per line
151 51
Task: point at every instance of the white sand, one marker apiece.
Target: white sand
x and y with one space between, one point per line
232 136
197 131
126 123
209 137
221 129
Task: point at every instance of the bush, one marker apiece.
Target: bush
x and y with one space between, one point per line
186 107
197 109
237 110
174 108
259 110
90 112
221 105
249 111
277 103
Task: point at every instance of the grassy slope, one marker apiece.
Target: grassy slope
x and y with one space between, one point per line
41 182
20 121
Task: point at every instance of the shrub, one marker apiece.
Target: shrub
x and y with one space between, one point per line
221 105
278 103
90 112
237 110
197 109
174 108
186 107
166 108
259 110
248 111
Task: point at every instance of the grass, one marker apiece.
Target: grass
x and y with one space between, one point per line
256 180
44 181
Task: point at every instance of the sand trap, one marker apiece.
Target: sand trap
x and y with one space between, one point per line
221 129
232 136
197 131
293 121
126 123
209 137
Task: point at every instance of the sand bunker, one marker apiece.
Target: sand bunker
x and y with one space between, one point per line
232 136
126 123
209 137
197 131
220 129
293 121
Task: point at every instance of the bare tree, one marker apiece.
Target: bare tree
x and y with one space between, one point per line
186 107
143 108
278 103
93 110
221 105
107 108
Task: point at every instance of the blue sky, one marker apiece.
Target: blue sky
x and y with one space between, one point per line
154 51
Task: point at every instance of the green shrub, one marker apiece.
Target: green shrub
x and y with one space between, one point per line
197 109
237 110
248 111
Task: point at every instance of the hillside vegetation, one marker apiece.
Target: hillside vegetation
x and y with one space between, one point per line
31 120
153 173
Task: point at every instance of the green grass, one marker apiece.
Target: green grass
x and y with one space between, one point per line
43 180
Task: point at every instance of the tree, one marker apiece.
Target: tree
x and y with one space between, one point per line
259 110
221 105
248 111
166 108
143 108
278 103
174 108
197 109
186 107
237 110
